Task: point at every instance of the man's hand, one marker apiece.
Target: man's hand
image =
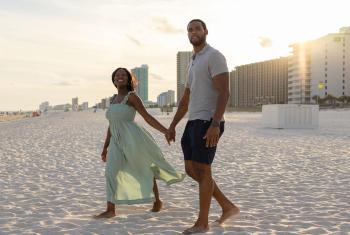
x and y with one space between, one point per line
104 155
212 136
167 137
170 135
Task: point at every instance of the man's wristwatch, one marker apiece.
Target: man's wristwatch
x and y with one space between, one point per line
215 123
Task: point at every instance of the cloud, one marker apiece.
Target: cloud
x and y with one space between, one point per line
64 83
71 82
134 40
156 77
265 42
162 25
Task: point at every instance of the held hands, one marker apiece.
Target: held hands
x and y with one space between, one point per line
212 136
170 135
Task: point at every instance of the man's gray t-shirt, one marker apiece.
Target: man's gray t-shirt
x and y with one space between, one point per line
203 66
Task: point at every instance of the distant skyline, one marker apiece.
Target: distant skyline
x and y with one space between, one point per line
54 50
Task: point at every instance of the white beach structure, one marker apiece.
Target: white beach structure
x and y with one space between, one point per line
290 116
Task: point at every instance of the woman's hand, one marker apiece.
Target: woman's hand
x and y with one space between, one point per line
104 155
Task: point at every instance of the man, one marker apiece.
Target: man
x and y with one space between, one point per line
205 97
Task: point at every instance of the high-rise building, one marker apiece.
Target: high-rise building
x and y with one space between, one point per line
75 104
105 103
166 98
183 59
259 83
141 73
320 68
64 107
162 99
171 97
85 106
44 106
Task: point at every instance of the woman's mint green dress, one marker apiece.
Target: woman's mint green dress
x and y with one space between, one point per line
133 159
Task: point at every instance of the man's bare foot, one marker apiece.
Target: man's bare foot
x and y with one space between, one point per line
228 213
105 215
157 206
196 229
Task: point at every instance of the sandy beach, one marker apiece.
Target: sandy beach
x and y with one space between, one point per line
284 181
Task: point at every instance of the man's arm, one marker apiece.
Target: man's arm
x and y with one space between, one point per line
221 84
180 113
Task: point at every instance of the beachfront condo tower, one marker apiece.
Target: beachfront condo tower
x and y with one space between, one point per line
320 68
183 58
141 73
259 83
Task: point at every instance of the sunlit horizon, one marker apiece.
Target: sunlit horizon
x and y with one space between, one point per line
56 50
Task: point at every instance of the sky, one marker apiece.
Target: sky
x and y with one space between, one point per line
54 50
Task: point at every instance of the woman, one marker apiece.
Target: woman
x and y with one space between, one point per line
134 159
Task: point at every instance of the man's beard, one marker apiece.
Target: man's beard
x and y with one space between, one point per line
199 42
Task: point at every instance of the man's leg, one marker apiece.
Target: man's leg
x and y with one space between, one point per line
228 208
189 170
201 173
206 189
198 159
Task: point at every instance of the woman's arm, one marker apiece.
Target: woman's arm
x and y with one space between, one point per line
136 102
105 146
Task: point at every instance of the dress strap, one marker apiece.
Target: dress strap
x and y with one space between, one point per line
112 99
125 100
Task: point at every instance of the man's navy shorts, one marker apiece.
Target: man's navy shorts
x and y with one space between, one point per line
193 144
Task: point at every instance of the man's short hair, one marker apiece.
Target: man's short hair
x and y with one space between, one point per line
200 21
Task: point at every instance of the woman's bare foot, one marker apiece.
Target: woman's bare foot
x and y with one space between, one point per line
105 215
196 229
157 206
228 213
